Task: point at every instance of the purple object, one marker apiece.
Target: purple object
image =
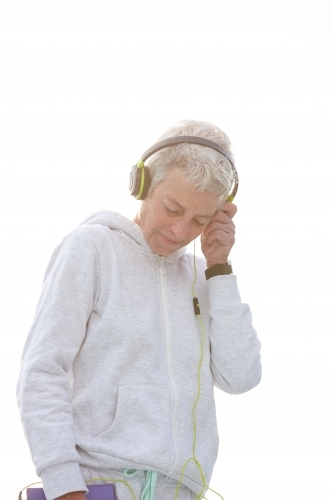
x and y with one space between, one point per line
96 492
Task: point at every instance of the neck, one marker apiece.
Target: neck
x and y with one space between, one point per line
137 219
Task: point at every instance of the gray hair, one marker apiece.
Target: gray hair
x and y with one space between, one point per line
204 167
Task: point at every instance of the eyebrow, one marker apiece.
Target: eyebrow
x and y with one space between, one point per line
183 208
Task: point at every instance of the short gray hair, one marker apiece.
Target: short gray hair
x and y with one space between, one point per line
204 167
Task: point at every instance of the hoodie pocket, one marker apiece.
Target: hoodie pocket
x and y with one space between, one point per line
207 439
142 429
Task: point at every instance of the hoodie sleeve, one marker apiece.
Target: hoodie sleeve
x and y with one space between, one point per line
68 297
235 347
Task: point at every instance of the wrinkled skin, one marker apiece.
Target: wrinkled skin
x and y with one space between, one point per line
174 214
219 236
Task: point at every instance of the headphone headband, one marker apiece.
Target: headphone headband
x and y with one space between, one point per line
173 141
140 178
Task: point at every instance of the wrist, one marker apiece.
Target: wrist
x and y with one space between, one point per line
211 264
219 269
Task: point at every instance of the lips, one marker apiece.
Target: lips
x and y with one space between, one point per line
170 242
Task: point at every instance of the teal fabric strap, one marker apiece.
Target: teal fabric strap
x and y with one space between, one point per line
149 490
130 472
151 478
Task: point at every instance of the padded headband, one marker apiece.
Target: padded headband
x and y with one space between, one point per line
172 141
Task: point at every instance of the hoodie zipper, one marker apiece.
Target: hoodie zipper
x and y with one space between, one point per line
162 271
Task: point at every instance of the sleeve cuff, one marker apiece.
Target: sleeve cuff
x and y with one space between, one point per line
218 270
61 479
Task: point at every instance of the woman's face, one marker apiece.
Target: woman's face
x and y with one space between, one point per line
175 214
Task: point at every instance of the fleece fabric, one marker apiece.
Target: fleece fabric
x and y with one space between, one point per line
109 370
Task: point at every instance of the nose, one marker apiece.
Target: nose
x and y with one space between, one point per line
180 229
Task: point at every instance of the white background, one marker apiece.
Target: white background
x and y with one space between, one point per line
86 87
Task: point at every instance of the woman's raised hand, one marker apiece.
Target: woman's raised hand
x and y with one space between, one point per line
219 236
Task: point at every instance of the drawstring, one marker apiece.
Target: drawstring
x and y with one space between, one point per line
151 478
148 492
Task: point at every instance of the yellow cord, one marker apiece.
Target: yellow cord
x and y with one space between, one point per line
197 463
31 484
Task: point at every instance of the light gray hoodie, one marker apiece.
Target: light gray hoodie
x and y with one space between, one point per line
110 368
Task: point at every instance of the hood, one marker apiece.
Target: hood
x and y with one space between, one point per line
127 229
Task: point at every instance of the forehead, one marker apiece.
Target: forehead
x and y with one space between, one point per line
177 189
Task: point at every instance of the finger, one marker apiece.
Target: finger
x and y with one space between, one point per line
224 228
221 236
221 220
229 208
228 228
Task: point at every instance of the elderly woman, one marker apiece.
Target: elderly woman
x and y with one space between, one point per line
118 372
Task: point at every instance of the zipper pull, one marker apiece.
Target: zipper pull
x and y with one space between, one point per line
162 269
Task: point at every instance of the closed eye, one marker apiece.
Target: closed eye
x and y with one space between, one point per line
175 212
199 223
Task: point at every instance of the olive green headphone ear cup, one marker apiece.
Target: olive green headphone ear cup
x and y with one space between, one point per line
146 185
135 181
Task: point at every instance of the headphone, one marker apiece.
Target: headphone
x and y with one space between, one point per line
139 180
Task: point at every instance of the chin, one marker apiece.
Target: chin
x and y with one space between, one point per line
164 252
161 250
